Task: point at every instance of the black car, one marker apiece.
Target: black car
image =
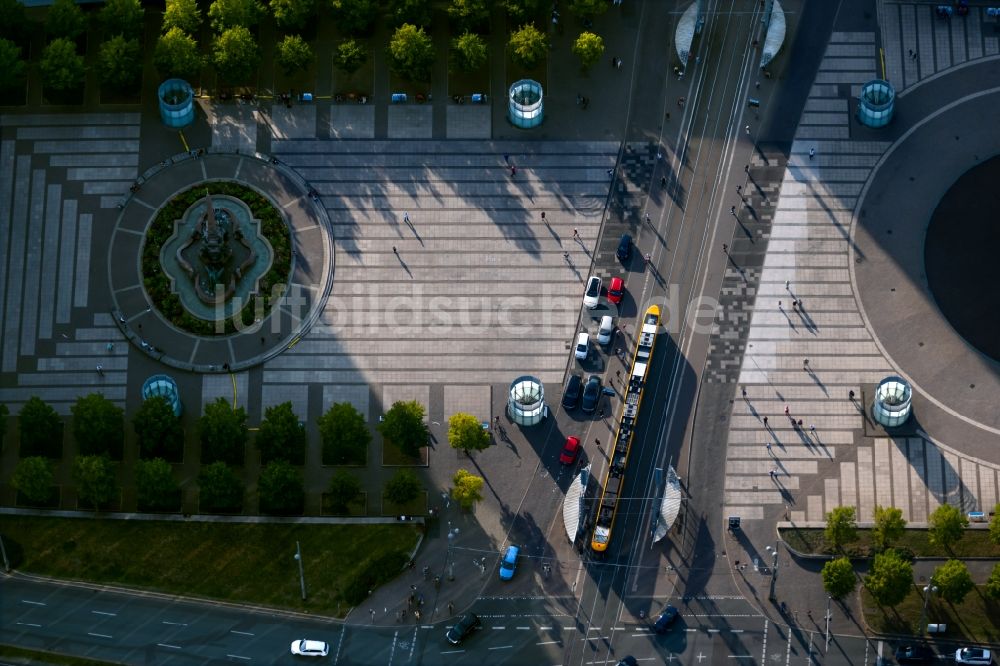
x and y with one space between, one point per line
666 618
469 623
571 396
628 660
624 250
913 654
591 394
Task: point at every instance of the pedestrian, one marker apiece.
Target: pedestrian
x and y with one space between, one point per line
739 189
768 444
451 607
812 152
805 363
619 63
747 128
744 392
787 283
663 181
576 233
799 423
746 168
909 52
506 158
600 413
372 611
598 442
756 84
543 216
812 428
725 248
100 370
765 421
801 307
647 218
618 374
732 210
413 587
416 615
566 256
406 217
513 170
611 172
795 304
497 420
850 395
774 473
786 410
394 250
659 156
110 347
779 305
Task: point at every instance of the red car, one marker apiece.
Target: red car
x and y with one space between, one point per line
570 451
615 290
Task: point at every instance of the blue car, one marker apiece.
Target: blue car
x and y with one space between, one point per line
509 563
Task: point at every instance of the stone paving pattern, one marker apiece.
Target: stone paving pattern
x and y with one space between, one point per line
808 358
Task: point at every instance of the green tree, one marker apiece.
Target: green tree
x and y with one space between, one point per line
65 19
467 488
411 53
345 435
95 480
351 54
403 487
223 433
528 46
40 429
889 526
155 486
953 581
62 68
12 19
121 61
354 16
219 489
994 524
12 67
235 55
890 578
993 583
292 14
122 17
294 53
281 435
177 55
839 579
404 426
589 48
946 526
413 12
183 14
158 430
469 14
280 487
588 8
520 10
465 432
841 527
225 14
344 489
469 51
32 478
98 426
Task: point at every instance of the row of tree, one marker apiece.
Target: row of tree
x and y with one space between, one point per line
890 576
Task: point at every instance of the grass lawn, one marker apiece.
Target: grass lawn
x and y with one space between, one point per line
976 619
974 543
241 563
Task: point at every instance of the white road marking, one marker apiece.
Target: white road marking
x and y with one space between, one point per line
29 624
548 643
498 627
176 624
502 647
103 613
545 628
453 652
241 633
90 633
523 628
236 656
33 603
167 645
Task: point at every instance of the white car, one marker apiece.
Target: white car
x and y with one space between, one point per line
604 332
593 294
583 345
973 655
304 648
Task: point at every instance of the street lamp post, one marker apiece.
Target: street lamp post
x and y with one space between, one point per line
928 589
302 575
774 569
452 533
829 616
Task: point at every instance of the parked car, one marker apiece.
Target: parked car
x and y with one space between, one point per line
571 396
973 655
470 622
582 345
616 289
628 660
570 450
592 296
306 648
509 563
605 330
624 250
666 618
913 654
591 394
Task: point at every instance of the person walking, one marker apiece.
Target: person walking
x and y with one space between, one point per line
100 370
744 392
747 129
732 211
576 233
725 248
765 421
566 256
786 410
812 153
543 216
787 283
513 170
406 217
395 251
